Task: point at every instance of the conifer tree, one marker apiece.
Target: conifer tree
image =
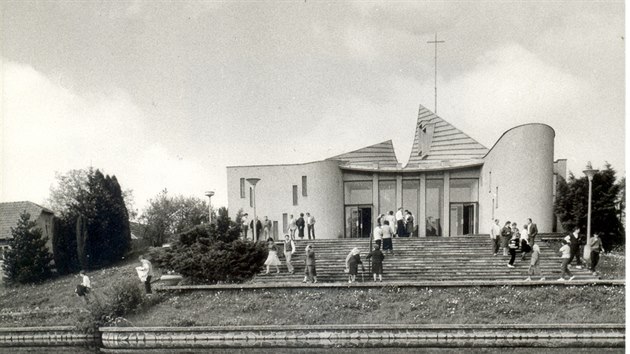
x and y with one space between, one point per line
28 259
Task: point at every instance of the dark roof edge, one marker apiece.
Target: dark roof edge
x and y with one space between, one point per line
282 164
28 201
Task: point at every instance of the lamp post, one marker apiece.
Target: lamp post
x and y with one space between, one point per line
253 182
589 172
209 194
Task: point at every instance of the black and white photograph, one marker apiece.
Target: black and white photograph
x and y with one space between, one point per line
302 176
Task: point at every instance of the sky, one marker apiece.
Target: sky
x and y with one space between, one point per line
167 94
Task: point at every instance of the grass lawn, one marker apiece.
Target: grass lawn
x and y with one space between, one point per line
54 303
506 304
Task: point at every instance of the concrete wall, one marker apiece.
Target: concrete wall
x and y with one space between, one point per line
274 194
521 165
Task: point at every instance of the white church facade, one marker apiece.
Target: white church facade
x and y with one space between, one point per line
452 184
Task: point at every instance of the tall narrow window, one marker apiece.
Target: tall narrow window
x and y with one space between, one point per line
304 186
285 221
242 187
295 194
251 197
490 182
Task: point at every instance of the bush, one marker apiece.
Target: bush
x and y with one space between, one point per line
212 253
126 298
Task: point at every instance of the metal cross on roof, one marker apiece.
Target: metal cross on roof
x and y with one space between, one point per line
435 79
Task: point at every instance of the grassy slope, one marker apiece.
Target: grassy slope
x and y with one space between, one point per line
54 303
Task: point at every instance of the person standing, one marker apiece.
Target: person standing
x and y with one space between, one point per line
352 264
596 246
244 225
400 223
258 228
310 272
377 235
272 257
292 226
525 245
377 262
392 220
532 231
289 250
84 288
310 225
506 234
495 235
566 257
387 237
409 223
300 225
534 265
145 273
574 245
266 224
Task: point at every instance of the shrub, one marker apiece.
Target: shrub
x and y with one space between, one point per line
212 253
27 260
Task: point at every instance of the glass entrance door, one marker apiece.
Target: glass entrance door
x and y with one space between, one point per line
358 221
463 218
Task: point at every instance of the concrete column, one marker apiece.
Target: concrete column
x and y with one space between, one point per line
375 201
446 225
422 214
399 198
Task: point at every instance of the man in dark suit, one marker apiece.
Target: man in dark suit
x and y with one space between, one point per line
532 231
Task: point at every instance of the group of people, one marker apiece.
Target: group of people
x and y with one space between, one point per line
511 239
402 223
354 259
264 228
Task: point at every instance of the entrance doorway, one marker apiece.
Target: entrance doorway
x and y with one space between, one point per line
358 221
463 219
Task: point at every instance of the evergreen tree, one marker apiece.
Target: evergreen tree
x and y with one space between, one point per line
27 260
571 205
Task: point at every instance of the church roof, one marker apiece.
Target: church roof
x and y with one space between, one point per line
437 141
381 154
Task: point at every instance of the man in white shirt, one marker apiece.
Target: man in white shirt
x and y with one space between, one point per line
245 225
495 233
400 223
310 225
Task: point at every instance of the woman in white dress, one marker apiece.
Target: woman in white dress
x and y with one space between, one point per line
272 258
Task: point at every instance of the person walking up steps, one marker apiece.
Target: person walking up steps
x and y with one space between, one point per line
596 246
506 234
513 245
566 257
377 262
534 265
272 258
495 236
377 235
352 264
289 250
310 272
388 246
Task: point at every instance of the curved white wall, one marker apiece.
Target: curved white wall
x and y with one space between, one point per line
521 165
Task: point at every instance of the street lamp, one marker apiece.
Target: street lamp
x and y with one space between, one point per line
589 172
209 194
253 182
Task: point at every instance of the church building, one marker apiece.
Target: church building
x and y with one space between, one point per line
451 184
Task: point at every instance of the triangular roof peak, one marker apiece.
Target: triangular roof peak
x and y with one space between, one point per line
381 154
438 140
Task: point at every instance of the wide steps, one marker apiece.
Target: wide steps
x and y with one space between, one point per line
421 259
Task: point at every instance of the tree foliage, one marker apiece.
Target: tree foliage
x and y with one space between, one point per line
213 253
571 205
168 215
94 220
27 260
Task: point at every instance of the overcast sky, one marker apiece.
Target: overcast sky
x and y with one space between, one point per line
167 94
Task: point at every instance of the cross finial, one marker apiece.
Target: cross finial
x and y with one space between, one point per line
435 41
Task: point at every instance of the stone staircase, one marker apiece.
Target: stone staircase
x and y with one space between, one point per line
421 259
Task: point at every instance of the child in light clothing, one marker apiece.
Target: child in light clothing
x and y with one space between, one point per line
534 266
566 257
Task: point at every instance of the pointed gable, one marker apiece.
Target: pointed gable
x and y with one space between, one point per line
381 154
436 140
10 214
